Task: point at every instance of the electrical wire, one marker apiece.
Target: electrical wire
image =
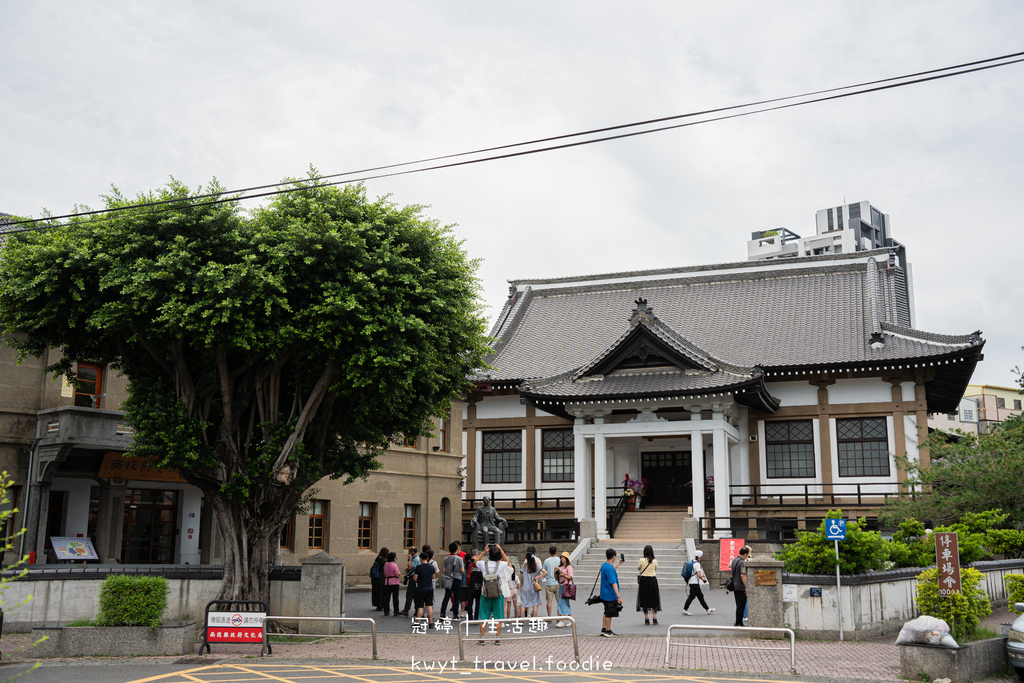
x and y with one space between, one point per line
297 185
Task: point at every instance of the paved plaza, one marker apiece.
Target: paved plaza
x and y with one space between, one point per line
407 657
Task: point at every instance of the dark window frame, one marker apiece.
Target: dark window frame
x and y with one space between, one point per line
781 463
504 464
558 460
859 456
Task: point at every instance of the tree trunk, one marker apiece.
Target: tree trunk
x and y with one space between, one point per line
250 537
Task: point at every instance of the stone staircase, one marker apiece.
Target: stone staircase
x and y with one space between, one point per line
670 555
655 524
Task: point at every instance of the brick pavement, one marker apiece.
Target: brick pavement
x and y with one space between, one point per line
848 660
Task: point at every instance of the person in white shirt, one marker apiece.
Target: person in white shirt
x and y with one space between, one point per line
696 578
492 608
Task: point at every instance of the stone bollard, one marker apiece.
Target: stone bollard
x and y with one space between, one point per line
764 592
321 593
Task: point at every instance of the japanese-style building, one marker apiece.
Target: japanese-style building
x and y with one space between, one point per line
775 389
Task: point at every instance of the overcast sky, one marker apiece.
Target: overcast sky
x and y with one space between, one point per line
128 94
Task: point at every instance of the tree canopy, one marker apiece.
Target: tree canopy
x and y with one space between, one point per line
967 474
263 351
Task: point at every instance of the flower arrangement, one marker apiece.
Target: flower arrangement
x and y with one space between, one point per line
635 487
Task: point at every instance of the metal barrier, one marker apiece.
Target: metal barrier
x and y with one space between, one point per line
372 634
572 623
742 629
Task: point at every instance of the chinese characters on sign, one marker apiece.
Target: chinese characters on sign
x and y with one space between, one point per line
235 627
117 466
947 557
730 548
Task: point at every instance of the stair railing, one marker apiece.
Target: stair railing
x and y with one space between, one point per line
616 513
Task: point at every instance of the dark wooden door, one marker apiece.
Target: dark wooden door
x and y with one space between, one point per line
668 474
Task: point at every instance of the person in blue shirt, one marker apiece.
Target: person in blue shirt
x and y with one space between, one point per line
610 592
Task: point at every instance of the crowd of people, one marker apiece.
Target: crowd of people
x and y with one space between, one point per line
484 584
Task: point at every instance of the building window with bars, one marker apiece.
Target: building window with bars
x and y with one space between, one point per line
409 526
557 455
863 447
90 385
789 449
318 525
364 535
1000 402
502 457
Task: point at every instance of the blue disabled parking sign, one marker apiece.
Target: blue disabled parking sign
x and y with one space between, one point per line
835 530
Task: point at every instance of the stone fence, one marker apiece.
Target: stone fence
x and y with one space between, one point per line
873 603
63 593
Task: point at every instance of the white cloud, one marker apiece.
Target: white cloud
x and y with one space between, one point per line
108 93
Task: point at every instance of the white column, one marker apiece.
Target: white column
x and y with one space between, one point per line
600 482
722 478
697 472
580 469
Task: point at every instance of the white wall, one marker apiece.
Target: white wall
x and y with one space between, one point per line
799 393
499 406
867 390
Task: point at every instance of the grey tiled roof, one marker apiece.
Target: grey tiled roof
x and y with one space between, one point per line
638 382
813 312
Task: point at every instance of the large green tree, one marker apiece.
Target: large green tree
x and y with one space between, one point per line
263 351
967 474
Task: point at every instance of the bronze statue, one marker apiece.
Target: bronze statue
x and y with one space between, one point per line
488 526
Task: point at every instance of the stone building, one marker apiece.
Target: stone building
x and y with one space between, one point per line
63 448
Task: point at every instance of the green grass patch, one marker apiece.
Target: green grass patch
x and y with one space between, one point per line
80 622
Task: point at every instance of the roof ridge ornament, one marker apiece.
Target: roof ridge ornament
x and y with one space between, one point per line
641 307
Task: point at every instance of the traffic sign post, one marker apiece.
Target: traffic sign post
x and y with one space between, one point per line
835 530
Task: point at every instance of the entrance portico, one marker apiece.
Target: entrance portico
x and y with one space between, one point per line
598 426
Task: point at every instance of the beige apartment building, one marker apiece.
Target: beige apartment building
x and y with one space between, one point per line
995 404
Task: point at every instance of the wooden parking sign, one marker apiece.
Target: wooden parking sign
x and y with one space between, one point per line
947 558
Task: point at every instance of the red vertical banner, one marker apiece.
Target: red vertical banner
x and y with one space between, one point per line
947 558
730 548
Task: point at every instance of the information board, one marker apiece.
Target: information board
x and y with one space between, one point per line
73 548
235 627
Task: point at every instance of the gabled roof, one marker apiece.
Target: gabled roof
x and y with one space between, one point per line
650 359
798 314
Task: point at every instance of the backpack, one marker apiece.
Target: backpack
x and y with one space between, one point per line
492 585
374 571
476 579
687 571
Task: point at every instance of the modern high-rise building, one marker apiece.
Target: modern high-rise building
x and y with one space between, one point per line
842 229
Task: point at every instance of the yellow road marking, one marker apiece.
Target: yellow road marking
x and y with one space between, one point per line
292 673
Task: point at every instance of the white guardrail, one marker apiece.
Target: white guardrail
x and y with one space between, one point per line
739 629
372 634
514 632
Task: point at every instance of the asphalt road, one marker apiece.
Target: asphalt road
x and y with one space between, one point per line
141 671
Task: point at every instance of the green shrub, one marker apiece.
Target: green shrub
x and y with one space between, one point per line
132 600
1014 590
962 612
812 554
1006 542
911 546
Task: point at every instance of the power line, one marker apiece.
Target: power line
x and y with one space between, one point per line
293 186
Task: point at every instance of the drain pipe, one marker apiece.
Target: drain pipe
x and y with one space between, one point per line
28 492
